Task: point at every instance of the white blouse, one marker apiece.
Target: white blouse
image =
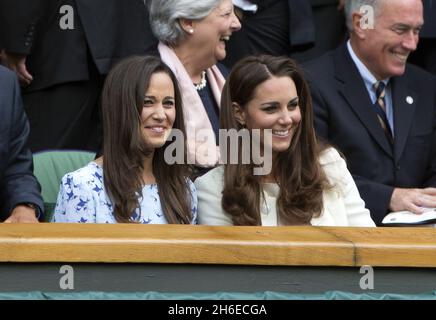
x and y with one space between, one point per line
342 204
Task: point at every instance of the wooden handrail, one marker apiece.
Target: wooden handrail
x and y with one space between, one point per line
281 246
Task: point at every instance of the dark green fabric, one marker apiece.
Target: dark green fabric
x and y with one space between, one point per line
268 295
50 167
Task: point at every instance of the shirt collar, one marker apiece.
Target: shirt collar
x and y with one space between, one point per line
367 76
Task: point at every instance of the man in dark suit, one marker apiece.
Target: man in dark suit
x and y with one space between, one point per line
20 199
61 50
387 132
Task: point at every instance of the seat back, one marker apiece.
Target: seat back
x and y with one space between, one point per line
50 167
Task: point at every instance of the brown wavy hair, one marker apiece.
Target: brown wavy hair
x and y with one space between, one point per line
124 148
296 170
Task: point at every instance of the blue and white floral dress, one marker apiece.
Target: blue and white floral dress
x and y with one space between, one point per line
82 198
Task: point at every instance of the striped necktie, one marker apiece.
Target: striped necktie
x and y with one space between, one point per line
380 108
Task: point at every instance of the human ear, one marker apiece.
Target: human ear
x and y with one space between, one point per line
357 25
187 25
239 114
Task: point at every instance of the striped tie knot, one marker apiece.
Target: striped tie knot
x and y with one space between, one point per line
380 109
380 91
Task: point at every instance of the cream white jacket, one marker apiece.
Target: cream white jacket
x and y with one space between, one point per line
343 205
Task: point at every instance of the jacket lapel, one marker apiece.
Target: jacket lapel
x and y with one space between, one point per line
404 100
353 89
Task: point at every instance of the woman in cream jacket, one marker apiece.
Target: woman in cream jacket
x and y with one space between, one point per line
308 184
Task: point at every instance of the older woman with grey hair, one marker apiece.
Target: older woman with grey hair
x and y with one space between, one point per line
193 36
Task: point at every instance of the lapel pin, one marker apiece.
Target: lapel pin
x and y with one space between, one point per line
409 100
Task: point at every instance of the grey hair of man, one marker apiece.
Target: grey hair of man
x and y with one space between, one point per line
352 6
165 16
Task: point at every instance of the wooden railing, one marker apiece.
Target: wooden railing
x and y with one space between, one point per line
281 246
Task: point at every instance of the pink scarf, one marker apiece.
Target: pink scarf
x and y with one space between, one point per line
202 148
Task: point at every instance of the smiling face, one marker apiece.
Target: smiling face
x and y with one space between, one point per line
385 48
158 112
212 32
274 106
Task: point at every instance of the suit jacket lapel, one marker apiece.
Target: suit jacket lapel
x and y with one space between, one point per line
404 100
353 89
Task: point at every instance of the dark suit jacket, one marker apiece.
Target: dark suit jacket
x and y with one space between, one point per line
279 27
17 182
345 117
316 3
301 27
429 29
301 24
105 31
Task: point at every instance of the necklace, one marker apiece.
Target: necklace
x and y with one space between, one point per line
202 83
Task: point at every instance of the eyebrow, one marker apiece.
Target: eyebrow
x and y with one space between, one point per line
406 26
276 102
165 98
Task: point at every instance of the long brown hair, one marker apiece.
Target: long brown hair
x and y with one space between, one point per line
124 148
296 170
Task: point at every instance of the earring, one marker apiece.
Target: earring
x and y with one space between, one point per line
191 31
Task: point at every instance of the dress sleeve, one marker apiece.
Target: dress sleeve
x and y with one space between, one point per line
194 201
357 214
75 201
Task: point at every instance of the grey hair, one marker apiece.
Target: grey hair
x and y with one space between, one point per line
165 15
352 6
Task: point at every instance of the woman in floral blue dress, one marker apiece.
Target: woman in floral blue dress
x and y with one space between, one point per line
132 181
